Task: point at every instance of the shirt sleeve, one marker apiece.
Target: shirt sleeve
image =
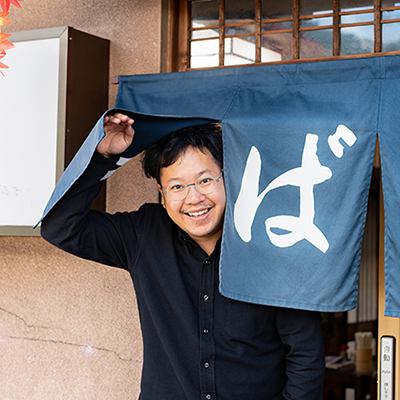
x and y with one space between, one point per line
301 333
89 234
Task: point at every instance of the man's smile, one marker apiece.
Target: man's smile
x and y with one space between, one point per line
198 213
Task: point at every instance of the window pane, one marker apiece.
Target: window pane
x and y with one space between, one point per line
316 43
310 7
391 14
237 30
205 33
389 3
239 11
205 13
357 40
307 23
353 19
355 5
391 37
276 26
204 53
276 9
240 50
276 47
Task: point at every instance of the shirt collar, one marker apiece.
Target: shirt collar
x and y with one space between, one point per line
185 238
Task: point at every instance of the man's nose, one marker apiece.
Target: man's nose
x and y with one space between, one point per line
193 194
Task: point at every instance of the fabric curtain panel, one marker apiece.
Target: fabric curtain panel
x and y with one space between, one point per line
299 143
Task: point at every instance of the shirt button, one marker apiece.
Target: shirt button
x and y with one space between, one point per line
206 365
205 331
205 297
207 262
208 396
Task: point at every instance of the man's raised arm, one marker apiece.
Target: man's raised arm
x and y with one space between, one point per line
71 225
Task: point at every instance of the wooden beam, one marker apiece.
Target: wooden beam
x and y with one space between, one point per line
258 43
336 29
221 32
296 30
183 45
377 26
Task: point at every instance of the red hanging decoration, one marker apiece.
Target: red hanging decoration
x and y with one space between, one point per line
5 4
5 44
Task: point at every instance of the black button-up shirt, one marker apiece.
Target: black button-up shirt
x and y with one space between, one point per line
198 345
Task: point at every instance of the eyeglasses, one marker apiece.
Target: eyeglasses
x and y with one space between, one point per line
178 191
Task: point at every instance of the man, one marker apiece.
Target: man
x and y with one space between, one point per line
197 343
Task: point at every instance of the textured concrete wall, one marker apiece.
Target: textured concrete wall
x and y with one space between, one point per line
69 328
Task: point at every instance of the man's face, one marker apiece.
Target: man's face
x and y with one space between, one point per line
201 216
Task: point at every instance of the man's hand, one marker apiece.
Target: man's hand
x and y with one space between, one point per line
119 135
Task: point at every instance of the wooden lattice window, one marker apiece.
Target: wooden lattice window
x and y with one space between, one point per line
217 33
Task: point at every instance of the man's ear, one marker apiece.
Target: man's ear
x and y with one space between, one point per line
162 195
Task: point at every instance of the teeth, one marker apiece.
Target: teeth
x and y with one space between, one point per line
197 214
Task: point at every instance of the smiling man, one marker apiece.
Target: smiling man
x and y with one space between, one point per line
198 345
198 207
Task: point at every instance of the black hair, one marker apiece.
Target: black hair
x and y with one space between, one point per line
168 149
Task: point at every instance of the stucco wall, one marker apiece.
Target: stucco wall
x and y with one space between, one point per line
69 328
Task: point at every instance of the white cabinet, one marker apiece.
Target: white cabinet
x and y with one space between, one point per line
53 93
